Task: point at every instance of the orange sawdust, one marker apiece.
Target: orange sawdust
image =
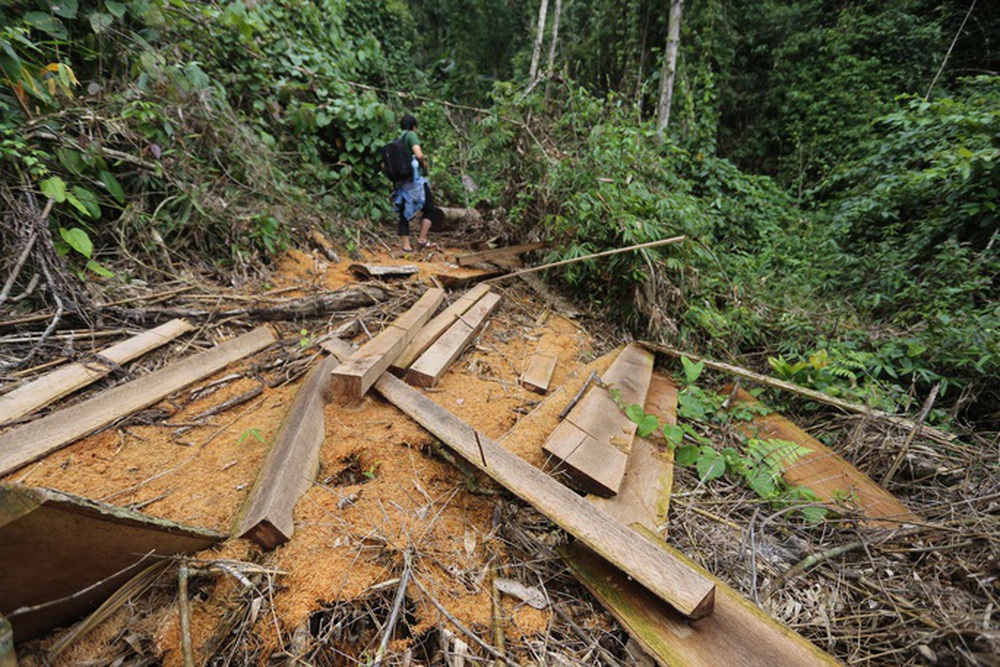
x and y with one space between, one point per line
380 492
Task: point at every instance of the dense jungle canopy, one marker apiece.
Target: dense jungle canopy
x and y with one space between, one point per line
834 165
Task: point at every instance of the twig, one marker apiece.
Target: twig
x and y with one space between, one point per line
397 604
458 624
185 612
924 411
579 394
651 244
24 254
808 562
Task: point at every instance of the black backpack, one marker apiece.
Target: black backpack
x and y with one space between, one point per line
396 163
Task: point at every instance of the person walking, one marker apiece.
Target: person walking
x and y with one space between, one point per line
413 197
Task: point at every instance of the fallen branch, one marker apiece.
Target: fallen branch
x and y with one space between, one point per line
606 253
811 394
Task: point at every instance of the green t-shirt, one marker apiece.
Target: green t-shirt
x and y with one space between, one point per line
411 139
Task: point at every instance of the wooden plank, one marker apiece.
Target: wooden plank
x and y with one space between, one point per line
32 441
61 555
435 362
437 326
497 253
63 381
538 371
686 590
355 376
291 465
383 271
461 282
736 633
644 496
829 475
591 445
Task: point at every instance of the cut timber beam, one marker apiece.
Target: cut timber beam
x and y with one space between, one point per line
290 466
353 378
437 326
688 591
737 632
468 259
32 441
432 364
61 555
382 271
538 371
828 475
63 381
591 445
644 495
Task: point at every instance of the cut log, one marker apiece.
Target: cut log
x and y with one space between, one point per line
36 439
687 590
437 326
382 271
828 475
352 379
538 371
470 258
61 555
427 370
63 381
591 445
291 465
644 496
737 632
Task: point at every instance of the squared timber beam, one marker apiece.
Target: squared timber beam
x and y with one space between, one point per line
437 326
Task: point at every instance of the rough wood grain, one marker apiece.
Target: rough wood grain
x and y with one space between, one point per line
830 476
435 362
36 439
55 547
470 258
736 633
355 376
538 371
685 589
63 381
592 443
291 465
437 326
382 271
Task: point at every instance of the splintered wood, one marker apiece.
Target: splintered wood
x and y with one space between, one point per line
591 445
834 480
63 381
31 441
353 378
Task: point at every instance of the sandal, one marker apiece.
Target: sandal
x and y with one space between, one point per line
427 245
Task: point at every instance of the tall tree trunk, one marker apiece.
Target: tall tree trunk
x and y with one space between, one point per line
669 68
537 53
555 36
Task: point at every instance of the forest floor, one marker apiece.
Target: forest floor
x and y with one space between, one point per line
389 499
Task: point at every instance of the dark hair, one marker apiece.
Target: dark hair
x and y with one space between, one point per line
408 122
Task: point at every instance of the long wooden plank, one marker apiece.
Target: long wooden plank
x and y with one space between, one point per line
36 439
497 253
437 326
737 632
61 555
63 381
435 362
538 371
688 591
355 376
829 475
593 442
291 465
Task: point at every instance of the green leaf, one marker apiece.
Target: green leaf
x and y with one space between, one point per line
99 22
64 8
99 269
635 412
78 240
763 484
88 200
813 514
116 8
686 455
111 183
692 370
648 424
54 188
709 464
673 433
77 204
46 23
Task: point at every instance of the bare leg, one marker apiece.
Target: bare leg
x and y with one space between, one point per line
425 226
405 240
